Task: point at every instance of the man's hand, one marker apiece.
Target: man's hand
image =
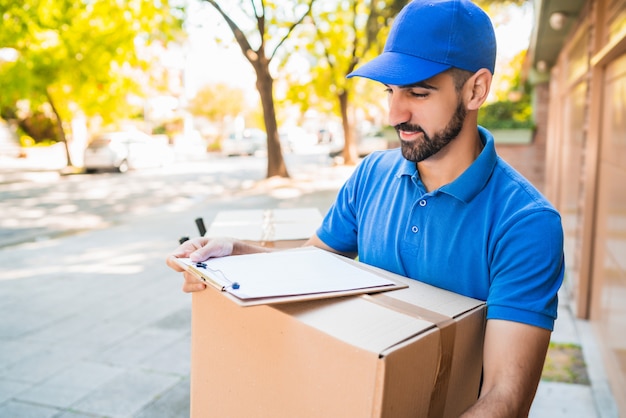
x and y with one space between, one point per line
199 249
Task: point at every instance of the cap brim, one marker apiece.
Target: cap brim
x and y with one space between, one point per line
398 69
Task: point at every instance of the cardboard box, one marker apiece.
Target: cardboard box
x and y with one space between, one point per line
282 228
413 352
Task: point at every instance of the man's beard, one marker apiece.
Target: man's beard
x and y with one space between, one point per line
419 150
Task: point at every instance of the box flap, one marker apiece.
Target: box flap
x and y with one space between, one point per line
379 327
358 322
266 224
437 300
242 216
289 231
243 231
296 215
429 297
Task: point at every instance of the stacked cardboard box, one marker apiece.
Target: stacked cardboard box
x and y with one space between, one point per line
283 228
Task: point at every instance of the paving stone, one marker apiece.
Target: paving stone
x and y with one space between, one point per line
10 388
148 312
137 347
563 400
101 336
173 404
62 330
15 409
20 320
70 385
177 320
39 365
12 350
174 359
72 414
126 395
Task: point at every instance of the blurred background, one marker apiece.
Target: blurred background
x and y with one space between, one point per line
209 105
236 77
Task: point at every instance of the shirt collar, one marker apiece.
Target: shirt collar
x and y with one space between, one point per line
406 168
475 177
472 180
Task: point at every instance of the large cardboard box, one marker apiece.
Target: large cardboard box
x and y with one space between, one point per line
281 228
413 352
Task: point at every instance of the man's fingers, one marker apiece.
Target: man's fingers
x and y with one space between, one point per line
192 283
214 248
193 287
173 264
198 249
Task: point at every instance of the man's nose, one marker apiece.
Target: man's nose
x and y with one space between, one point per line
399 112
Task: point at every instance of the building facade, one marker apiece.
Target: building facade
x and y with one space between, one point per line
577 64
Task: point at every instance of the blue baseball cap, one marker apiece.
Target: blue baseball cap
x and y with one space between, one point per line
429 37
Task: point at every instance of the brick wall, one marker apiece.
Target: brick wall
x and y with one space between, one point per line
530 160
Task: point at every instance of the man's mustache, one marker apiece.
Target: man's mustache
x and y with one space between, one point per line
407 127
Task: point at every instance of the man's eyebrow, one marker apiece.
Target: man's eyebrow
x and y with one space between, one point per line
419 84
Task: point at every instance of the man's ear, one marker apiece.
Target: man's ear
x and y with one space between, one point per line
476 89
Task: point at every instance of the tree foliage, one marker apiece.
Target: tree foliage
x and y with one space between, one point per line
218 101
344 34
512 108
79 57
261 28
507 114
490 5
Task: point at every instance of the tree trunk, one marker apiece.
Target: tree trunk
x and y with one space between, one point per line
275 161
61 131
349 147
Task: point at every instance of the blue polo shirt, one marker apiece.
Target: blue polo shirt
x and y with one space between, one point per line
489 234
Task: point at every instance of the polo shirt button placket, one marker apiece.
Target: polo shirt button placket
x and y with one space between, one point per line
415 229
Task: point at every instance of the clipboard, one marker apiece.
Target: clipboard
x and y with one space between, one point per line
288 276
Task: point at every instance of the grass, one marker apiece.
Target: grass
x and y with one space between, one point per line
565 363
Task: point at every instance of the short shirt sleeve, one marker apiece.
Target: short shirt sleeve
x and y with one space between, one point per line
527 270
339 230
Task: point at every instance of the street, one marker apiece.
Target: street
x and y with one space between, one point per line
54 206
92 322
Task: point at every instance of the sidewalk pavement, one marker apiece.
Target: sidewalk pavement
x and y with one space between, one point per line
42 164
95 325
567 400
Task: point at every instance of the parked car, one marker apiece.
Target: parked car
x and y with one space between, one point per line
294 139
366 144
373 141
247 142
125 150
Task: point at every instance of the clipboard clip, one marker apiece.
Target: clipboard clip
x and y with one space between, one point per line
233 285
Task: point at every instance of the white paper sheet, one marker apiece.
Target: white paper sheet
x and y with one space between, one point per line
287 273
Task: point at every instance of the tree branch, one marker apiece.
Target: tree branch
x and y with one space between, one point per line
355 59
291 28
260 22
250 54
327 54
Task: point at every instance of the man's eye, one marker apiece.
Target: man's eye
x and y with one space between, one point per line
420 95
